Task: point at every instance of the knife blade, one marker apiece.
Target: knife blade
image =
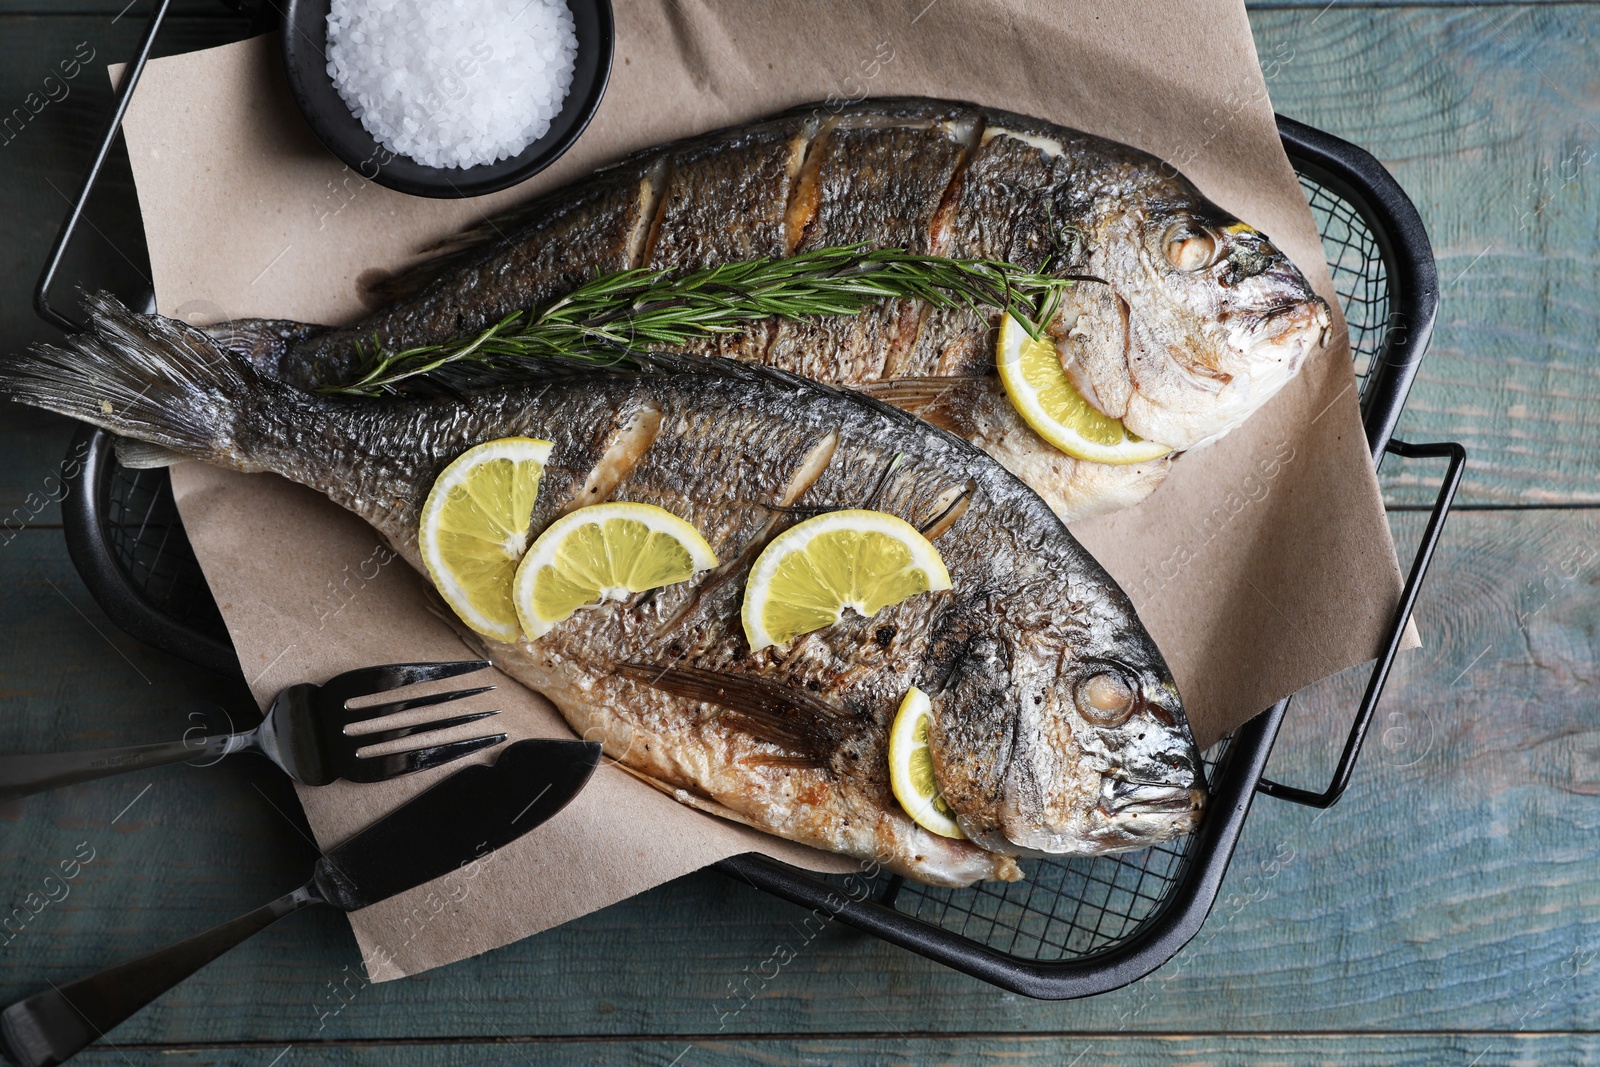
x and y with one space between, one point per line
461 819
468 815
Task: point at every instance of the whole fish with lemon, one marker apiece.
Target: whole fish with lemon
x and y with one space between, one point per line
1183 322
781 602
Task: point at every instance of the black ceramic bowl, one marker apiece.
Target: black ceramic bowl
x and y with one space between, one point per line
305 37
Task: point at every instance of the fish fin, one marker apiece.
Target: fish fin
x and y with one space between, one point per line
910 393
801 723
383 290
263 343
923 397
469 247
442 258
156 379
139 455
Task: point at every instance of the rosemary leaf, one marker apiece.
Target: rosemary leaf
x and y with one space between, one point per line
660 309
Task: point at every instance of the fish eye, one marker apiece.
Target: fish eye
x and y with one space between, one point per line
1107 698
1190 248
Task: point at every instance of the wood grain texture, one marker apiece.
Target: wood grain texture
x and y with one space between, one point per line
1330 1050
1453 888
136 11
37 449
1490 119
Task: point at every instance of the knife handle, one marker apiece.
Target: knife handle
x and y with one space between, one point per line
22 776
51 1027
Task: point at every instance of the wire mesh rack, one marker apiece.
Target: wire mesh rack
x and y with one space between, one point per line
1076 926
146 534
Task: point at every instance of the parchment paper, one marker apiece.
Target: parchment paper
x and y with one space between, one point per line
1263 564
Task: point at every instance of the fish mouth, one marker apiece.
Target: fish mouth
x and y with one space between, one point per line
1130 814
1301 321
1122 797
1140 814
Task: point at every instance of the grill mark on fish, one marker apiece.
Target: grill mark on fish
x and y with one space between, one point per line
769 341
804 194
967 133
811 468
907 327
652 204
624 453
953 504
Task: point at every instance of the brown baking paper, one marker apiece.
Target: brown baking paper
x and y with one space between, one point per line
1263 564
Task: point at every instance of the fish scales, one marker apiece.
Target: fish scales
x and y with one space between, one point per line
747 178
1017 657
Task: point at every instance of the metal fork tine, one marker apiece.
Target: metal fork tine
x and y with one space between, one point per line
382 768
383 736
367 681
378 711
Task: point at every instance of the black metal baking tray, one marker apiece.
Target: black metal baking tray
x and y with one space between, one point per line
1077 926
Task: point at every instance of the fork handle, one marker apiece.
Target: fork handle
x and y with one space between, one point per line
22 776
50 1027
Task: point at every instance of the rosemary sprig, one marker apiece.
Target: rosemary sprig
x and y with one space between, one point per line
646 309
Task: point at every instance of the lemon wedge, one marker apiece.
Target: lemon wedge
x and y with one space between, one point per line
604 552
911 767
809 574
1039 389
474 530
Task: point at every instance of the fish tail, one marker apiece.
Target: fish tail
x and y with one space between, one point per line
146 377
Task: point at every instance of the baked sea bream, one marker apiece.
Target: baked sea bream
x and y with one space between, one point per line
1185 321
1055 724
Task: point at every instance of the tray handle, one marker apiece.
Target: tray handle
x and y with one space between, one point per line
1408 600
130 78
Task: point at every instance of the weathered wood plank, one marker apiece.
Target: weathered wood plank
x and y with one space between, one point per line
1453 888
135 11
1488 117
1206 1050
35 446
202 8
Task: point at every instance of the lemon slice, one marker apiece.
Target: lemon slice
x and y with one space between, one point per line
911 767
812 572
604 552
474 529
1045 398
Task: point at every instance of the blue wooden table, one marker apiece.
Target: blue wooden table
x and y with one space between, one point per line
1444 912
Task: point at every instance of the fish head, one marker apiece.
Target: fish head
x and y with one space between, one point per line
1043 747
1194 319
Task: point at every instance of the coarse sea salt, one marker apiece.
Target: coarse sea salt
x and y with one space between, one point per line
452 83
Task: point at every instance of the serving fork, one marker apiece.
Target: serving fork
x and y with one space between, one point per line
303 732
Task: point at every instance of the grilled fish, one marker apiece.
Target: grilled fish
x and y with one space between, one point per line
1057 726
1195 319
